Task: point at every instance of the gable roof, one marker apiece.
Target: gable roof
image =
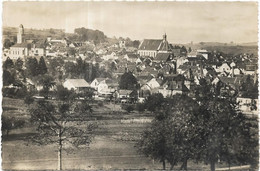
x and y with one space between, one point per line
22 45
150 44
78 82
163 56
132 55
125 92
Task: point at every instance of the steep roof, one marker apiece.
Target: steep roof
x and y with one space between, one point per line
125 92
78 82
150 44
22 45
163 56
132 55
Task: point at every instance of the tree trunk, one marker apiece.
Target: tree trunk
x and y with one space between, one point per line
60 154
212 165
172 165
184 164
164 165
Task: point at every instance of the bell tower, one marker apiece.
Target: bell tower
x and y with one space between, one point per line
20 34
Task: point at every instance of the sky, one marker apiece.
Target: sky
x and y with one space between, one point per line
183 22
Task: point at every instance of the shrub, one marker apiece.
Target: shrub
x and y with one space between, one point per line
140 107
129 108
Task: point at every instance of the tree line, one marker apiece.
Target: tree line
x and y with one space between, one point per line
207 128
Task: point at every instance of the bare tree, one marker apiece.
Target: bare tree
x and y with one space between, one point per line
57 124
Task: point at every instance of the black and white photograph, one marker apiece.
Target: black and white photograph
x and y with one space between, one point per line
130 85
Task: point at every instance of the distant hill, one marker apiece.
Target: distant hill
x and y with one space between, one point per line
227 48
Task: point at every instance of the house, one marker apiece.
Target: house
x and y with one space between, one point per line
204 53
248 105
104 86
76 84
25 48
172 87
131 57
19 50
111 55
225 67
149 87
151 47
250 69
125 94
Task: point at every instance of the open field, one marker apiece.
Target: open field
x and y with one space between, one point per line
112 148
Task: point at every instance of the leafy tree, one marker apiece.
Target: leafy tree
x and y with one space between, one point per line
56 125
42 66
19 64
171 135
8 64
7 43
11 123
128 81
221 125
47 83
8 78
154 102
71 51
32 68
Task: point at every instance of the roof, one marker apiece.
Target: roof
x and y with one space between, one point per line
78 82
100 79
125 92
164 46
163 56
22 45
176 85
150 44
132 55
176 52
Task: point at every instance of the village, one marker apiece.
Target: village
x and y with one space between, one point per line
128 73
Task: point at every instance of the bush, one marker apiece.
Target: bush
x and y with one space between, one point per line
140 107
100 104
129 108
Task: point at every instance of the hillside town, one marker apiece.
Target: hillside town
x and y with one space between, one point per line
127 73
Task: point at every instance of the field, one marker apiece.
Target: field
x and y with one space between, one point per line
113 146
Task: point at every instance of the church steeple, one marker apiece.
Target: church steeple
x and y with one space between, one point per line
20 34
164 37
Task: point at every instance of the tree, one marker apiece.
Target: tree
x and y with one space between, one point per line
71 51
11 123
19 64
32 68
154 102
47 83
55 125
8 64
42 66
171 135
128 81
220 125
7 43
8 78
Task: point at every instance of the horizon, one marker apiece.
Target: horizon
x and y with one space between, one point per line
196 20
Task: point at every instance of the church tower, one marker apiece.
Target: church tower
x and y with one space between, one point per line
20 34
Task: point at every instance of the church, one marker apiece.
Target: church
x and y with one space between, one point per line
24 47
151 47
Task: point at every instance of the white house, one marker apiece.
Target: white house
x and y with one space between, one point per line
247 105
76 84
224 68
154 83
203 52
110 56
